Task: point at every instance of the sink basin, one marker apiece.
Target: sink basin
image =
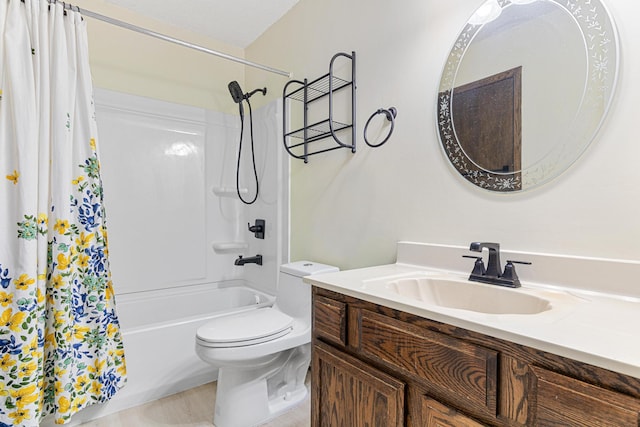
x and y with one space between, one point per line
464 295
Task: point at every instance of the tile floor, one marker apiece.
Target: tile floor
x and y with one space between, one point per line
191 408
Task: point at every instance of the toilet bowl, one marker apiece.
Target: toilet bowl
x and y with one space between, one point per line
262 355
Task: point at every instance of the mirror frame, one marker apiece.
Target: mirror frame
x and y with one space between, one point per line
598 30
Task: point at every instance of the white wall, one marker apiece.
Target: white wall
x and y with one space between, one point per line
130 62
349 210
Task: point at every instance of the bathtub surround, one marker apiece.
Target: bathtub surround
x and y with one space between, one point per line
176 170
60 341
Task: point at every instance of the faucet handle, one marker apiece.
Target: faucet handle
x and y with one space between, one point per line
518 262
257 229
478 266
510 272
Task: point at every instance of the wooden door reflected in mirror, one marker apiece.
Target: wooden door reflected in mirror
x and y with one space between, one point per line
488 124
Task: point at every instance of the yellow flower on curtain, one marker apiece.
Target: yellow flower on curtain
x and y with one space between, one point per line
14 177
61 226
83 260
96 387
5 298
82 382
49 339
57 282
63 261
109 289
23 282
33 349
43 219
78 403
39 296
19 416
25 396
7 362
63 404
84 239
60 318
12 321
27 369
111 330
96 368
58 389
80 331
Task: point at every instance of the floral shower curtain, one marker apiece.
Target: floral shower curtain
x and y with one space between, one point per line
60 342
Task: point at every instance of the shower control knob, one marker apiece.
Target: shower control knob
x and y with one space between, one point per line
257 229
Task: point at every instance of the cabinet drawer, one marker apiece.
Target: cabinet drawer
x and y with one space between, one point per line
565 401
445 365
330 319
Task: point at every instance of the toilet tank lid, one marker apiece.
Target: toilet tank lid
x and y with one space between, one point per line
307 268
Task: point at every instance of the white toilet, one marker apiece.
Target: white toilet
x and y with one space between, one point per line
263 355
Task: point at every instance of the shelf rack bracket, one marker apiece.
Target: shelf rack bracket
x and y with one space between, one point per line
308 92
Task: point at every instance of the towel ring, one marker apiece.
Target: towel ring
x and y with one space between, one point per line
391 114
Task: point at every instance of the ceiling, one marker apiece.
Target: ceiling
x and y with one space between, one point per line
236 22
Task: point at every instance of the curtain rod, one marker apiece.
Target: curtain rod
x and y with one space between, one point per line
160 36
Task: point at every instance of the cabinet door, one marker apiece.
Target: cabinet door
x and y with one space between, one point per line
546 398
566 401
348 393
431 413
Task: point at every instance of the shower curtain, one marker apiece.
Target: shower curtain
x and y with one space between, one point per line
60 342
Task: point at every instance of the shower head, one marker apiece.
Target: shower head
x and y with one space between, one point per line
238 96
236 92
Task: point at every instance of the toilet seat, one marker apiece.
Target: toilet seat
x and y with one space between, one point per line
247 328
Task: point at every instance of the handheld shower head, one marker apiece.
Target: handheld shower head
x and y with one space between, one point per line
236 92
238 97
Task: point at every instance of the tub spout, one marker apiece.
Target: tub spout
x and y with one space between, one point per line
250 260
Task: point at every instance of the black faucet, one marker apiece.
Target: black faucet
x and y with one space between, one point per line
493 265
250 260
493 273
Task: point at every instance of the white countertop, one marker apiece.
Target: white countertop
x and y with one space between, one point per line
585 325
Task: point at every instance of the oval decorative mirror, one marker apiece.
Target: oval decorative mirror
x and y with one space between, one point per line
525 89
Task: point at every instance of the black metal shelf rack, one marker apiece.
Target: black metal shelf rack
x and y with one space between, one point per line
297 142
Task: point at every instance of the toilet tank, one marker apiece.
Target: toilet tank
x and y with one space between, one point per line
294 296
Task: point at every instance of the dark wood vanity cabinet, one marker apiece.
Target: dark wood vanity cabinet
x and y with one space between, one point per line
375 366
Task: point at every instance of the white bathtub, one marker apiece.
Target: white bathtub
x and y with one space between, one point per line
159 330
